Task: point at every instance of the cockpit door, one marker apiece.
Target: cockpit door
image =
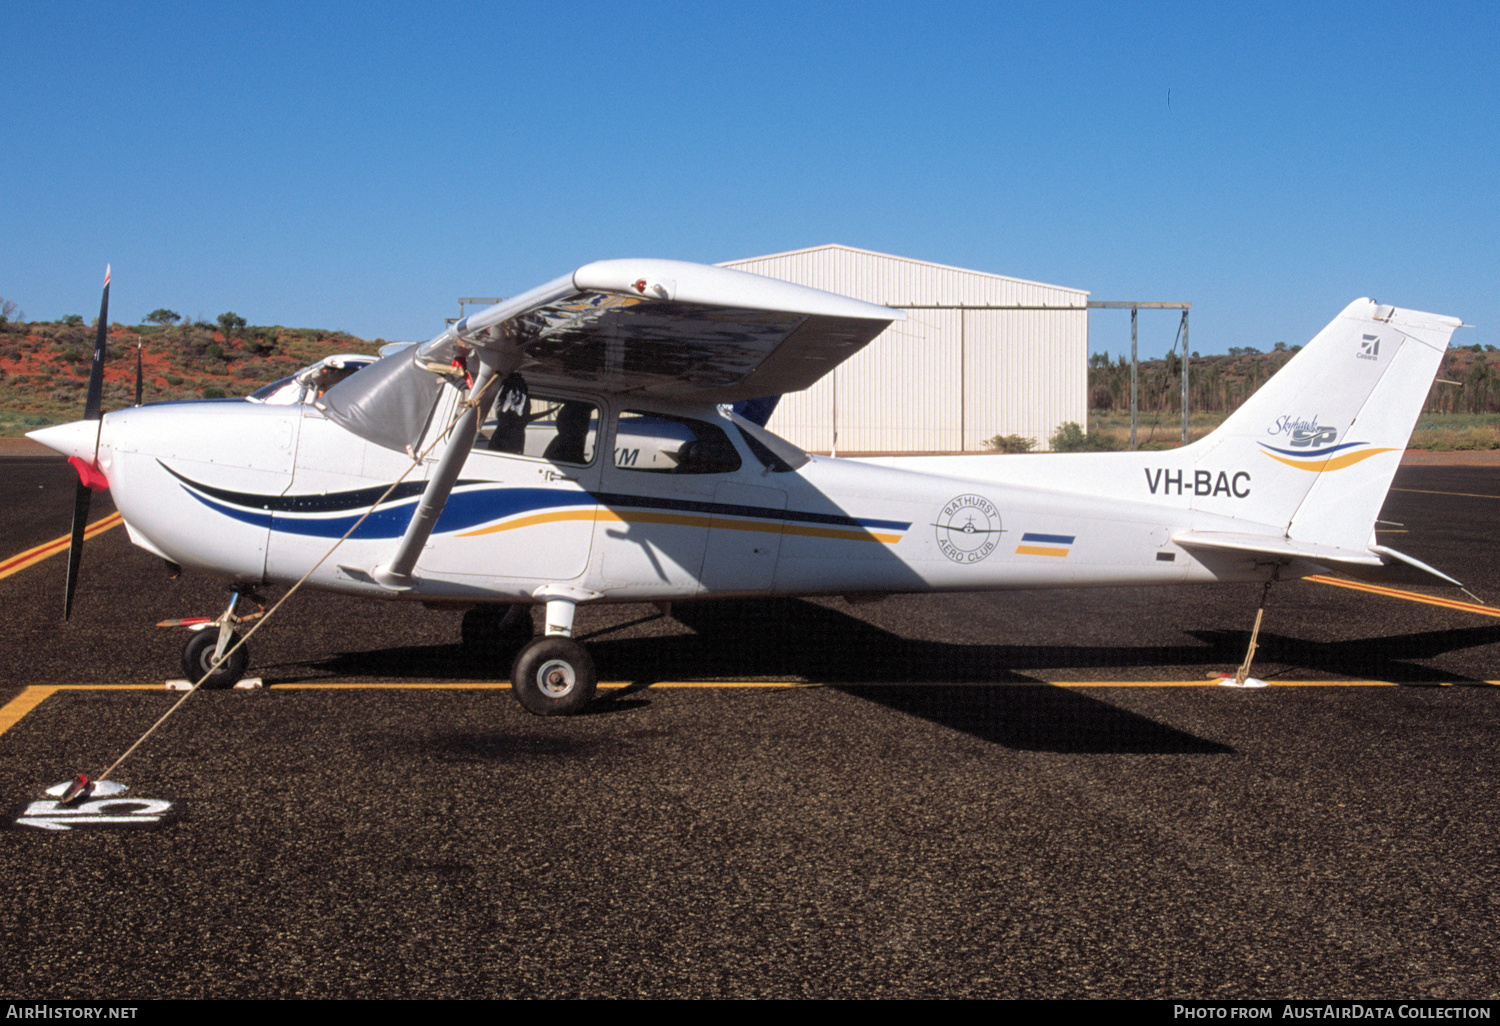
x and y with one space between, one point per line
523 509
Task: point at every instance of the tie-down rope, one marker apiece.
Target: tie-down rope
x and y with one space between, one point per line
463 407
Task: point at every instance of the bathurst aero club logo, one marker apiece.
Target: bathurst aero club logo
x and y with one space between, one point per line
968 528
1314 447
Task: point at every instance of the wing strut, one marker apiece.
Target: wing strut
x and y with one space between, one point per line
395 574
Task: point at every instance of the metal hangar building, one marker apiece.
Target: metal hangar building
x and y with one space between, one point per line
979 355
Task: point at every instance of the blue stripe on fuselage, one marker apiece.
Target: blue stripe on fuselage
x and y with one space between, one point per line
470 506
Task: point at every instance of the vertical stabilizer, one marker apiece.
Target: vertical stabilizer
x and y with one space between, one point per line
1325 435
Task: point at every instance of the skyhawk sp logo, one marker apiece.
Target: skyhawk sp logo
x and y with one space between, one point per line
1304 433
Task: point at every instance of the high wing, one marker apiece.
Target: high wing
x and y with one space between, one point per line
669 328
660 328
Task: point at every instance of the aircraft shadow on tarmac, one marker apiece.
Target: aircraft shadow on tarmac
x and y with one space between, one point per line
1388 658
932 679
793 638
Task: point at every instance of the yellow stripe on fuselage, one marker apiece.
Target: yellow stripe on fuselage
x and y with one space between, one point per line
690 520
1348 459
1039 550
532 521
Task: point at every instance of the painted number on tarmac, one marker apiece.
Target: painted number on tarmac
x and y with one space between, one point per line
101 813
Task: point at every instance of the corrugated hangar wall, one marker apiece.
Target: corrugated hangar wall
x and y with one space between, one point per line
942 380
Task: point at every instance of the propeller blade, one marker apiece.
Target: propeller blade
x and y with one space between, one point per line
96 372
82 495
81 499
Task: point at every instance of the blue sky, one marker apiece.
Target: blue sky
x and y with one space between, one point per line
359 166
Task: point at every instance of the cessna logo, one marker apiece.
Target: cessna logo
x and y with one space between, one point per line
1369 347
1202 482
968 528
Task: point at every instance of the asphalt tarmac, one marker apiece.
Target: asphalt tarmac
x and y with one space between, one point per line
908 802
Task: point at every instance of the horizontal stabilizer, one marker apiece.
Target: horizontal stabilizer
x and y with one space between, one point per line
1275 546
1378 563
1400 560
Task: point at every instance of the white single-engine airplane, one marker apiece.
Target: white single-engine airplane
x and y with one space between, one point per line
577 444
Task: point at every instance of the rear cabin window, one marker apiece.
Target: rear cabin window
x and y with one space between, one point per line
775 453
661 444
556 430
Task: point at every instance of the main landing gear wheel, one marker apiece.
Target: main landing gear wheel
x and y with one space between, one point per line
198 656
553 677
486 628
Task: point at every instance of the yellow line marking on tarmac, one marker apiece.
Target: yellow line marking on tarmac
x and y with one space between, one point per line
35 555
16 709
1466 495
1410 596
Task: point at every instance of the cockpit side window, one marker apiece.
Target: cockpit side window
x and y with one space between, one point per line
663 444
556 430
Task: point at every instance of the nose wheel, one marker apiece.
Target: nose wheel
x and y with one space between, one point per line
198 659
217 641
553 676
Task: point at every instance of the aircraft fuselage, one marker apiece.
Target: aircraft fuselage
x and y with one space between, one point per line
260 493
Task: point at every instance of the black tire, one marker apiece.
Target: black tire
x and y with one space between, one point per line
198 656
488 628
553 677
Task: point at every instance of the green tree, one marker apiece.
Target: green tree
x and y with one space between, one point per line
230 323
161 315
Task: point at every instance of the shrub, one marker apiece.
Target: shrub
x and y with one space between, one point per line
213 392
1070 437
1010 443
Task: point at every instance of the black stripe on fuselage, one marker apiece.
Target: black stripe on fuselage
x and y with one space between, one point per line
725 509
363 498
331 502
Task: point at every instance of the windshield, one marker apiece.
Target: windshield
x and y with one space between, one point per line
265 392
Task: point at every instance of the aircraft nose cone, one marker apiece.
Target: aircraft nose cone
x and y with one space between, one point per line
75 439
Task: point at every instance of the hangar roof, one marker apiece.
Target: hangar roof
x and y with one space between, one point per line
887 278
